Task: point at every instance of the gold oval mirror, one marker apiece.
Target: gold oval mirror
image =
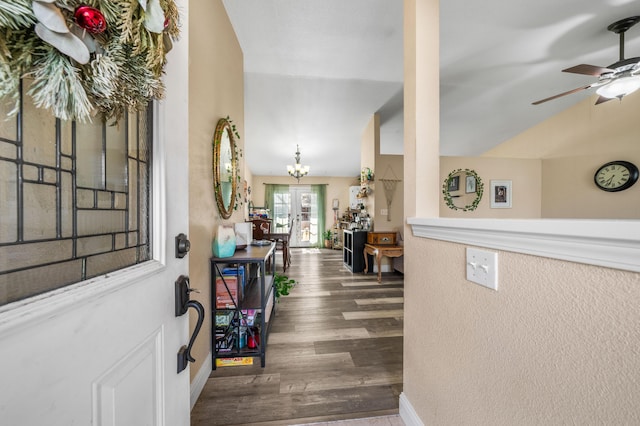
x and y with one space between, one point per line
224 168
463 190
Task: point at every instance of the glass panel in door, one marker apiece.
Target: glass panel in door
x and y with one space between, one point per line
281 211
304 211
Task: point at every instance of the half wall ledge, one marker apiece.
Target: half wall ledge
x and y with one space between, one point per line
609 243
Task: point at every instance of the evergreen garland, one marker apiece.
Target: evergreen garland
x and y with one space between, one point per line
124 73
16 15
57 86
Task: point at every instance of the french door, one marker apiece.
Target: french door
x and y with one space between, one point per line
304 212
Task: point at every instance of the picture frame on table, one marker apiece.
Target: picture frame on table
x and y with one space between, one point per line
501 194
470 184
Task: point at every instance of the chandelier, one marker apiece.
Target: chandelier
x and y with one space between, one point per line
298 170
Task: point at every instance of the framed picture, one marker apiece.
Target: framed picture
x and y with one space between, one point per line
454 183
470 184
500 194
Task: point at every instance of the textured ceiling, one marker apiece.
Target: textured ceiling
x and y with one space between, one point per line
316 71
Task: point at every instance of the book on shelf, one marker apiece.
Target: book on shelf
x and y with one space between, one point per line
227 292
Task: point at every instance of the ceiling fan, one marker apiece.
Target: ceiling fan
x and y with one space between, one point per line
616 80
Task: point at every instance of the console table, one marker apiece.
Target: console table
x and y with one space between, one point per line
380 250
242 302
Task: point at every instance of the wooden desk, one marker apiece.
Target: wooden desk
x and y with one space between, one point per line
379 251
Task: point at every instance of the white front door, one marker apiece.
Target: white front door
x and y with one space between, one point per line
104 351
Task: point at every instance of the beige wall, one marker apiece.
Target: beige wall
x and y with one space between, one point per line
369 147
523 173
556 344
384 167
421 189
572 145
569 191
610 128
389 167
370 142
557 187
215 91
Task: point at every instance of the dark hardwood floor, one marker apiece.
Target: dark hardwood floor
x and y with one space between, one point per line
334 352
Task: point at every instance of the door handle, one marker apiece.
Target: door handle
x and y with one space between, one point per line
184 354
183 303
182 294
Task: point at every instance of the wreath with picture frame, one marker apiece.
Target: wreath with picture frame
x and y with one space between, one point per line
448 198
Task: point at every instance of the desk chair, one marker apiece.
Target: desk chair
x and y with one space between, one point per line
282 244
260 228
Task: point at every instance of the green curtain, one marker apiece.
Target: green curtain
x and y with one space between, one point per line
320 191
271 189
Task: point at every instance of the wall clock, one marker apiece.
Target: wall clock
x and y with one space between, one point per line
616 176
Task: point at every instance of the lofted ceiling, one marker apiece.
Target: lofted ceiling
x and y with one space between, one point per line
317 70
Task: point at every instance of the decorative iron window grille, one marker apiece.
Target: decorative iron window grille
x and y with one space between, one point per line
74 199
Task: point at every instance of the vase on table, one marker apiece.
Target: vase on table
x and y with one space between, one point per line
224 243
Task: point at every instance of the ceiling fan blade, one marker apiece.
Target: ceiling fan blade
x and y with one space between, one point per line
561 94
588 70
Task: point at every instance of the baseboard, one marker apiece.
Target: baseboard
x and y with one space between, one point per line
407 413
197 385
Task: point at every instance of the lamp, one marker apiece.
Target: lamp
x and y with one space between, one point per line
298 170
620 87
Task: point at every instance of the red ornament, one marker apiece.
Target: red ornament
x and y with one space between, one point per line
91 19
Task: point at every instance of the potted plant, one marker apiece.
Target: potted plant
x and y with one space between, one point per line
327 238
283 285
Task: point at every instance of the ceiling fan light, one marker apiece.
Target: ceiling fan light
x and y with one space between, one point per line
619 87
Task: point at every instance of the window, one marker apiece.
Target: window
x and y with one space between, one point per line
281 211
74 199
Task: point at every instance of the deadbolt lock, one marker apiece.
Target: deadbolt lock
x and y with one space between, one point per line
182 246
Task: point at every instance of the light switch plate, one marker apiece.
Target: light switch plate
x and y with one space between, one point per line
482 267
